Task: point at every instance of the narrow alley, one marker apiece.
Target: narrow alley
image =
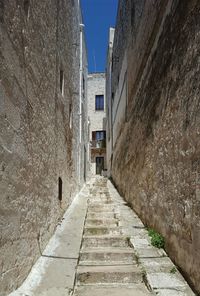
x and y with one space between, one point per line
99 147
101 247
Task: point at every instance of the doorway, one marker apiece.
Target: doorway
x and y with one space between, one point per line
99 165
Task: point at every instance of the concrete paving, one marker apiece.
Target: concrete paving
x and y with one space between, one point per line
102 248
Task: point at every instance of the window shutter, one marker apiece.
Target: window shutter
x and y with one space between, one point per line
93 136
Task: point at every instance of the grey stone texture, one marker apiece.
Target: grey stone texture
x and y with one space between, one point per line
156 153
39 127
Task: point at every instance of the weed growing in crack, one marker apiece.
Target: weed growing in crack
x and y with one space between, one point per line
137 259
173 270
157 240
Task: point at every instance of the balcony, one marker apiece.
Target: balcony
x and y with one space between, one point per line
98 144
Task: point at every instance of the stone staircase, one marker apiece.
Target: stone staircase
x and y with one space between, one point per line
102 248
107 263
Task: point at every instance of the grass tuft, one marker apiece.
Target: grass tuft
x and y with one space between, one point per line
157 240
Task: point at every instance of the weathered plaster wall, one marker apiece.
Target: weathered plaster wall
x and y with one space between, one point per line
37 137
156 161
96 86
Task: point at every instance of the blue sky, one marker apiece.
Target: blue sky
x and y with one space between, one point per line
98 16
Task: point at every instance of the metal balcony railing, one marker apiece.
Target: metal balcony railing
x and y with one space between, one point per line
98 143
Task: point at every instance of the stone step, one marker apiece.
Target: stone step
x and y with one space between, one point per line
102 230
101 188
100 201
101 209
104 263
101 222
125 255
105 241
100 206
108 274
104 215
115 290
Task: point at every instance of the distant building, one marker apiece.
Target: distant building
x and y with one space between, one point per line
97 128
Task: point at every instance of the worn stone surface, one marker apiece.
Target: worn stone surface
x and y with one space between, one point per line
156 153
107 263
39 127
70 266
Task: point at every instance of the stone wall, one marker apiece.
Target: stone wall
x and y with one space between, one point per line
109 136
39 127
156 163
81 147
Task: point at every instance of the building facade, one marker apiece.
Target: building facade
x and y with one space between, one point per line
154 118
43 126
97 128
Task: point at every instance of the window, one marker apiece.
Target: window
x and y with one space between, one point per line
99 165
99 102
70 116
62 82
26 7
83 87
59 188
1 11
132 15
98 135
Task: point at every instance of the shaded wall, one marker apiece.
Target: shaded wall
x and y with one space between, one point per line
156 154
39 127
108 123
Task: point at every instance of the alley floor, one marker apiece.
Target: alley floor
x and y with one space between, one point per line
101 247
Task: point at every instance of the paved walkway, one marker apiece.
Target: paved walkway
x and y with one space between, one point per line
102 248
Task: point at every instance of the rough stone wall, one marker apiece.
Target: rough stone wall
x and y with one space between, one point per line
156 163
109 136
80 144
38 39
85 161
96 86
